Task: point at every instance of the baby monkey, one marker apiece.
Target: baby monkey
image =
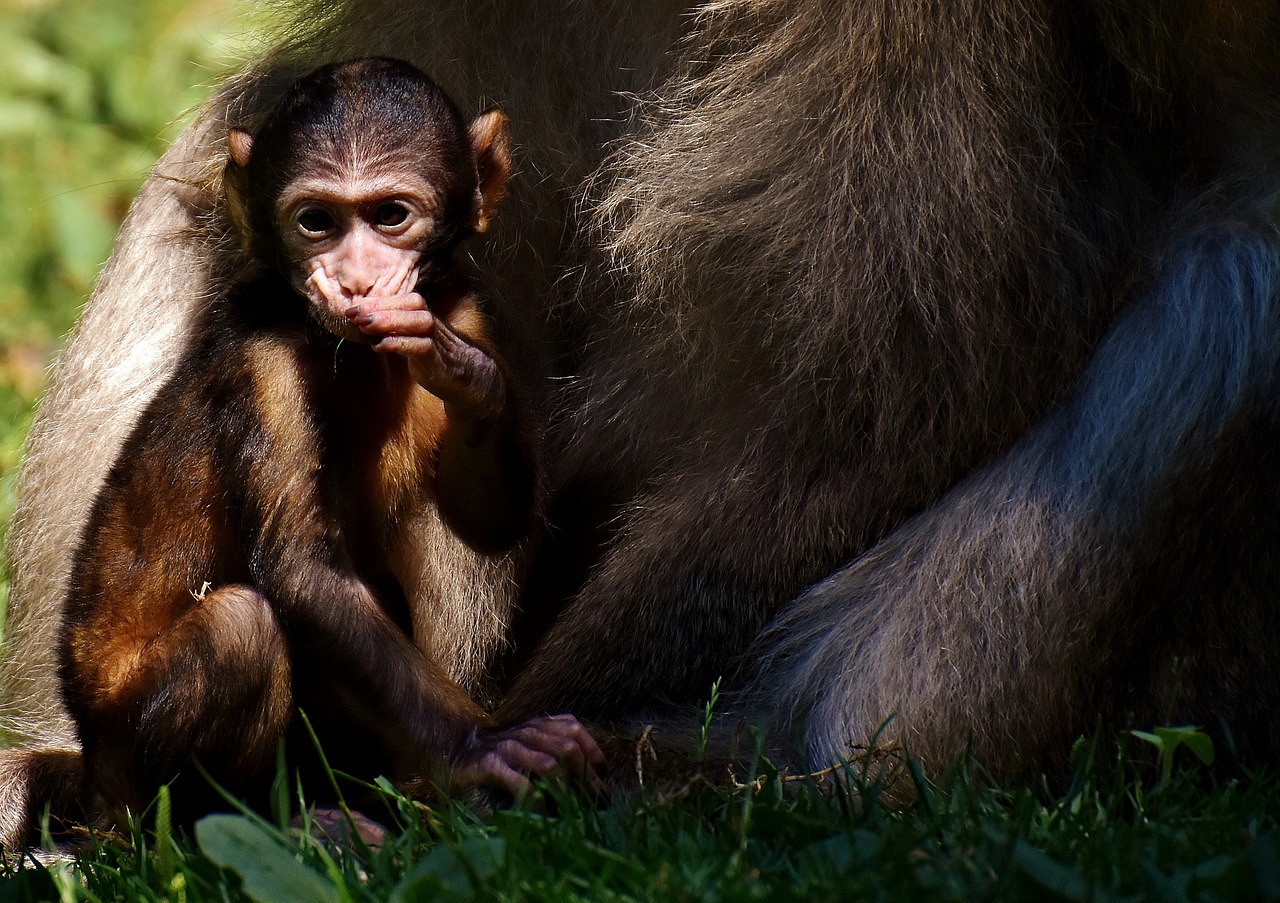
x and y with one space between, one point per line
316 509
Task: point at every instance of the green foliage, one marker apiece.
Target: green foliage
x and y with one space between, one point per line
269 871
165 846
964 838
1167 740
708 714
91 91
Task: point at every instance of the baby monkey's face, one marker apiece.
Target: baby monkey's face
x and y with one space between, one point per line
354 233
360 184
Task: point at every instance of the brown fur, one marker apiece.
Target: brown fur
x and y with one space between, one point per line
258 544
870 310
922 353
40 781
221 558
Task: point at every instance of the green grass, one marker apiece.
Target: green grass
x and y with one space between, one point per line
1119 832
90 91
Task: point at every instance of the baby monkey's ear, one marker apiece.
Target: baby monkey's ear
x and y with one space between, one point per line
492 151
235 182
240 143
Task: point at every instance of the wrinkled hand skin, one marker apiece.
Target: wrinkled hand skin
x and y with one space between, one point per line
441 361
340 828
505 759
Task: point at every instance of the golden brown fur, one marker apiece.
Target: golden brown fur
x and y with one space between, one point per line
183 640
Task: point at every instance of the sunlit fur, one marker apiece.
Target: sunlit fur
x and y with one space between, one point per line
223 507
174 253
924 352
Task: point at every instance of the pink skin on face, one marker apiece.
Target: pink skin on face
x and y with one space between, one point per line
357 247
356 235
359 265
362 266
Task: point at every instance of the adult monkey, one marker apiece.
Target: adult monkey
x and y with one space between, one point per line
928 355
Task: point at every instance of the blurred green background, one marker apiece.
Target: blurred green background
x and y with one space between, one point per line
91 92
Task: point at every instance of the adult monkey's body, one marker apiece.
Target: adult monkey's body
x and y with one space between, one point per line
963 320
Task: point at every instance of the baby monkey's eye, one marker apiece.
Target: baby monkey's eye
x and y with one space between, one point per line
315 221
391 214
